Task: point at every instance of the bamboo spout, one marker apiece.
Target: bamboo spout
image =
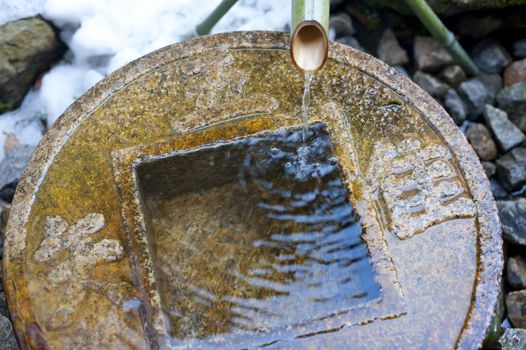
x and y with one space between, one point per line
309 42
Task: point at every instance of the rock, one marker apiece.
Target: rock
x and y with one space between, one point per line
513 339
516 272
519 48
429 55
514 20
477 27
7 336
507 134
490 57
477 92
480 139
453 75
513 219
489 168
8 191
515 73
520 121
14 162
511 168
342 24
390 51
3 305
402 71
493 82
516 305
4 216
497 190
27 47
432 85
455 106
512 98
11 142
350 41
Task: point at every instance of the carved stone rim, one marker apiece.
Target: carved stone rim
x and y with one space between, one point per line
490 260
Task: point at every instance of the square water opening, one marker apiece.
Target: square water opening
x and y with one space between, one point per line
254 235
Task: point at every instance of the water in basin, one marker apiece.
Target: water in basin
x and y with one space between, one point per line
254 235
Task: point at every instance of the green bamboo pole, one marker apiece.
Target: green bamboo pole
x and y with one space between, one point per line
426 15
309 39
206 26
310 10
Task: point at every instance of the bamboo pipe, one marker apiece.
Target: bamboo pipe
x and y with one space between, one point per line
205 27
309 42
426 15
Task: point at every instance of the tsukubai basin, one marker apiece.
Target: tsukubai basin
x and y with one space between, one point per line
183 203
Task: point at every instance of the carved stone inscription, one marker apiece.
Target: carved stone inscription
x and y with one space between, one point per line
418 185
222 96
73 251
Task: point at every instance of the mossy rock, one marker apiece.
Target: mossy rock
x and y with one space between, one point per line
27 47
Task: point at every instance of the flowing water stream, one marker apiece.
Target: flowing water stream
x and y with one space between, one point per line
305 101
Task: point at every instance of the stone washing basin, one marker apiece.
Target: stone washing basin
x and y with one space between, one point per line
171 207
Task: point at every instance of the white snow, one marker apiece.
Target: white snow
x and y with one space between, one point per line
25 122
103 35
11 10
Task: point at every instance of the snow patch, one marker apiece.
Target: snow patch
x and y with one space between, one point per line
11 10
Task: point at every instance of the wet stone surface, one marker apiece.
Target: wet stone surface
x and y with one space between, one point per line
182 204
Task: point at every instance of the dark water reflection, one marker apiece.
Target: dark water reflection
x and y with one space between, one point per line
255 235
